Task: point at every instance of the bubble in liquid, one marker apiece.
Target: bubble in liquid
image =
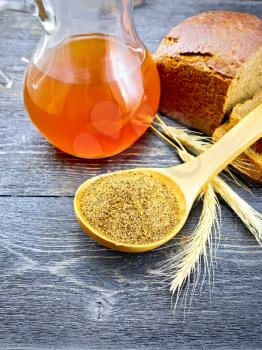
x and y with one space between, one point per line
85 142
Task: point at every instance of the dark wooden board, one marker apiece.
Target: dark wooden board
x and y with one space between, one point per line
60 290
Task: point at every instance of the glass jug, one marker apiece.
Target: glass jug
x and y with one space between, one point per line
91 87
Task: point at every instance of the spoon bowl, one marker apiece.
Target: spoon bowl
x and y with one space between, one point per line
131 248
186 180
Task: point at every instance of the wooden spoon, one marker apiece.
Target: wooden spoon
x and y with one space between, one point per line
186 180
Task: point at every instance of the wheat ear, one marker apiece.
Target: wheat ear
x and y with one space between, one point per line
200 242
178 269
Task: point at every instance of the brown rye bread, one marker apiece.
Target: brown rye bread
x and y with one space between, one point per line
208 64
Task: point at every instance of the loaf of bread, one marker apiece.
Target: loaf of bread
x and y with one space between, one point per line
250 162
208 64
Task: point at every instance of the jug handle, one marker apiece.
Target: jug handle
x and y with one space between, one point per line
43 9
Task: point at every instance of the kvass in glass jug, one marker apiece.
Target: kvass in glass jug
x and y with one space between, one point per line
91 87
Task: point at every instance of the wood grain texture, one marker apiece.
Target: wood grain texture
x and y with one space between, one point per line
60 290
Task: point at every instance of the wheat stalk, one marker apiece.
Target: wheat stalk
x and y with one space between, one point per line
179 268
197 144
249 216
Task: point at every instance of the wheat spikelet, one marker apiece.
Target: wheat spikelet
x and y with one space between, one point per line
184 267
179 268
200 242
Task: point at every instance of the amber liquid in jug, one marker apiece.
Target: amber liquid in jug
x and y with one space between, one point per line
92 96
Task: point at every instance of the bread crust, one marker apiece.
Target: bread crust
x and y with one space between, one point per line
224 40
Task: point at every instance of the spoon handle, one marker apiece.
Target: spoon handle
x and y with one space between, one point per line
196 173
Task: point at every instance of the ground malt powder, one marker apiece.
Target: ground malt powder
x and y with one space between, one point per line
131 208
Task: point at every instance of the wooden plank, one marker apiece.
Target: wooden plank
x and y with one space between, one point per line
60 290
